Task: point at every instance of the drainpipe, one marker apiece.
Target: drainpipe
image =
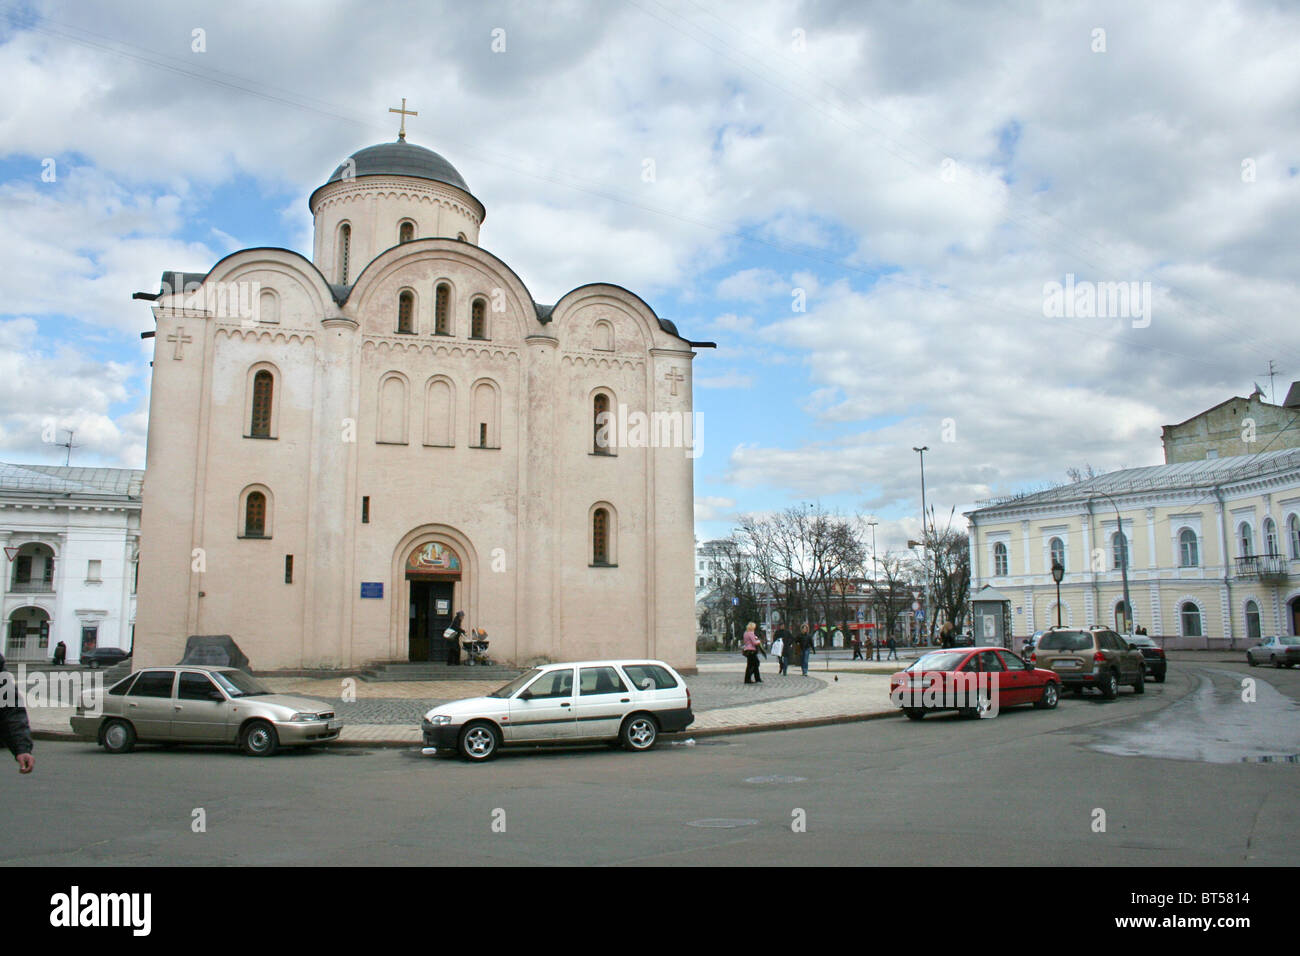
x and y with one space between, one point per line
1227 577
1092 571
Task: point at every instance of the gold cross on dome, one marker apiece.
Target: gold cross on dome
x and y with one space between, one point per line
401 133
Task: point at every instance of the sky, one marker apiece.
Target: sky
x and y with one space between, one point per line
864 205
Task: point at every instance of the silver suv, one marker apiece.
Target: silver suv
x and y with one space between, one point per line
1090 657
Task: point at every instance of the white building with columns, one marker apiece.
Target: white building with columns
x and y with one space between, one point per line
71 539
345 450
1212 549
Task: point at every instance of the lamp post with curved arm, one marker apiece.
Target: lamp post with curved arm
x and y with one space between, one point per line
1123 559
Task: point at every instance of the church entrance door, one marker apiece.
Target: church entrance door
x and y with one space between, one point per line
430 615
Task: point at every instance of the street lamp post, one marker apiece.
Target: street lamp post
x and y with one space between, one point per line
872 525
1058 572
1123 558
924 544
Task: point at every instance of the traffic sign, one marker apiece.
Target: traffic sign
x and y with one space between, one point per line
916 605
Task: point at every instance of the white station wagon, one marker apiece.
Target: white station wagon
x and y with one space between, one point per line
631 702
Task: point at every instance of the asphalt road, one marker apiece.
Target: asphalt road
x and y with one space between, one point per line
1178 785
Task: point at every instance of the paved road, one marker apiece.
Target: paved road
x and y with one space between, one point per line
1025 787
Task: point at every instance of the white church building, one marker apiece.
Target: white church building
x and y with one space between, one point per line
346 450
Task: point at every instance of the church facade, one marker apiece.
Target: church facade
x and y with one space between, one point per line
345 451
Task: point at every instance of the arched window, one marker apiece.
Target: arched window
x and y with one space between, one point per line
1252 620
1057 547
406 231
1246 540
603 442
442 310
600 536
1270 538
1000 560
406 312
440 413
263 392
392 410
485 425
1190 615
255 515
1188 556
268 307
1119 551
345 252
478 319
603 336
1293 532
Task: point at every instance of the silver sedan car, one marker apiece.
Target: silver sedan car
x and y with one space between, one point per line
1283 651
198 704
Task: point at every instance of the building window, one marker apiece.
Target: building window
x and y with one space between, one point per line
1001 563
1246 540
485 405
601 424
1119 551
406 313
94 571
603 336
288 569
255 515
406 232
1190 615
268 307
478 319
1293 532
1187 551
442 310
1252 620
1270 538
263 392
1057 547
600 537
345 252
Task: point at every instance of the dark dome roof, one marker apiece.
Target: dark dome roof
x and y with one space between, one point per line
402 159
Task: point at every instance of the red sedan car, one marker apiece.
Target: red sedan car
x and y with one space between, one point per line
974 681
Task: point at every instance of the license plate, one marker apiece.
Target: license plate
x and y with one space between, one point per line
336 725
1065 665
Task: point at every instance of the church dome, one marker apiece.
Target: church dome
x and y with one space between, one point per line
401 159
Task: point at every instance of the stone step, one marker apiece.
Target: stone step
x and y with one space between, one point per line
432 672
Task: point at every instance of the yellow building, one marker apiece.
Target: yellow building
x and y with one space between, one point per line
1213 550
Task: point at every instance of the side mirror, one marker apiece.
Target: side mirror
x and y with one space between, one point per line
526 695
216 696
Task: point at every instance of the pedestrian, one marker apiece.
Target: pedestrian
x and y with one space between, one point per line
945 635
893 648
805 647
751 646
455 631
778 648
60 652
15 732
856 643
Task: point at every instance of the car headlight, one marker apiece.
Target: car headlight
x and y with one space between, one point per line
303 716
439 720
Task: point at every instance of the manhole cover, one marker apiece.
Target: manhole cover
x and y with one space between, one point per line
775 778
1273 758
722 823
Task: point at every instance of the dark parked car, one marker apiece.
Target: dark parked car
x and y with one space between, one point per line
103 656
1153 656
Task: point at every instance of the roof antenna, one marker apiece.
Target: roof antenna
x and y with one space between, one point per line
69 446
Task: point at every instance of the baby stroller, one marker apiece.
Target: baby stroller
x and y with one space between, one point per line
476 647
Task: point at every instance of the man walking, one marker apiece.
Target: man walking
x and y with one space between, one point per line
15 733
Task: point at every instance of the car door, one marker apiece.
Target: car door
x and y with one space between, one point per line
992 671
1020 684
544 709
603 699
201 712
148 705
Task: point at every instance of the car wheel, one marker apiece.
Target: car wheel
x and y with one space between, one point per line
1273 660
1109 686
1140 686
118 737
1250 659
914 713
1160 678
639 732
479 741
259 739
1051 696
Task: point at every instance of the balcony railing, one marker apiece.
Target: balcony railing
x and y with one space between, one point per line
1263 567
31 587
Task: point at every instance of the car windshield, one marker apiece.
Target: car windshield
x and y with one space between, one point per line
938 661
1065 641
239 684
510 689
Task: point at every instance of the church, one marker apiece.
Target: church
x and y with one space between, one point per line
344 451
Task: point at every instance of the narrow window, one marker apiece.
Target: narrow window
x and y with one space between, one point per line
345 251
288 569
406 233
93 570
442 310
1191 620
478 320
482 435
1293 532
600 536
1000 560
263 386
1188 557
1119 550
601 424
405 311
1057 548
1252 620
1270 538
255 515
365 509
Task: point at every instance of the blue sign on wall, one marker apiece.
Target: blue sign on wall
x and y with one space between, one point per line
372 589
